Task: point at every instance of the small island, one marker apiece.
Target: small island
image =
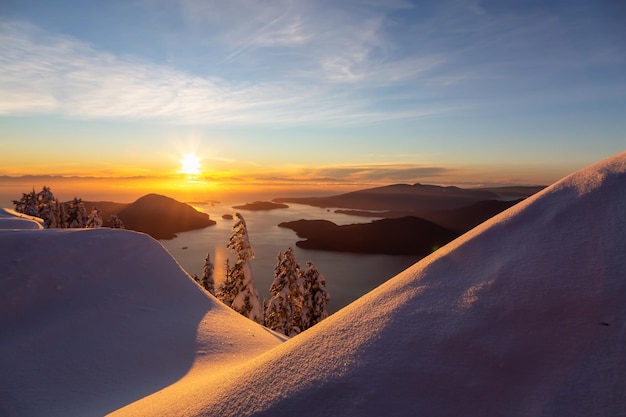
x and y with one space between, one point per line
261 206
227 216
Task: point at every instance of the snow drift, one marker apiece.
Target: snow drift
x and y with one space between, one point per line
522 316
93 319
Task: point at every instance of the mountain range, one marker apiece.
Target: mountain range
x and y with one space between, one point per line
416 218
416 198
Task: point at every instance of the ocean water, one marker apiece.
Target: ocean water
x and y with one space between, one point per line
348 275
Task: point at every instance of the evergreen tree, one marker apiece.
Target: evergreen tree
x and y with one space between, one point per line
27 204
94 219
239 240
76 214
116 222
246 301
316 299
238 290
63 215
48 207
42 204
227 290
283 311
51 214
207 281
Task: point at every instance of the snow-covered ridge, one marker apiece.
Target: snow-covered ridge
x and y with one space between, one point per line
522 316
11 219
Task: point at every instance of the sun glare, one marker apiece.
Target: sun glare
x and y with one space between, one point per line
190 165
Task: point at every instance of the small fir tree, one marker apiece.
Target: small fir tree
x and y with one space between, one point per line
94 219
63 215
238 289
51 214
27 204
316 299
116 222
42 204
207 281
239 240
76 214
227 290
283 311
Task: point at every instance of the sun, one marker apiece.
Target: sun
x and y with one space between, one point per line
190 165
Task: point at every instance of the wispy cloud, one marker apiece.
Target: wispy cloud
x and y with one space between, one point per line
349 174
46 73
293 62
382 173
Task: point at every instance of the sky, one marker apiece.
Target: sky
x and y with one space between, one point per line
317 95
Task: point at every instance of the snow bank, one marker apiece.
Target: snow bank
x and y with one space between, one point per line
523 316
94 319
10 219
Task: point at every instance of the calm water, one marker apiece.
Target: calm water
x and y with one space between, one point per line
348 276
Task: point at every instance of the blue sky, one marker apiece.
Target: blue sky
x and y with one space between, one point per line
359 92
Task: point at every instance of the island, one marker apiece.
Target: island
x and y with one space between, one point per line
159 216
261 206
402 236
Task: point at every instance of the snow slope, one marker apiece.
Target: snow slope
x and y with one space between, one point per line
523 316
10 219
94 319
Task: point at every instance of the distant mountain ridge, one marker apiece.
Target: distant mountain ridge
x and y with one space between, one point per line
414 198
440 214
159 216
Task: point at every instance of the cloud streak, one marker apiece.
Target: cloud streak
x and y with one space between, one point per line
43 73
299 62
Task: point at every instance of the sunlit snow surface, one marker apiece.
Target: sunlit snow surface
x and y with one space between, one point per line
523 316
93 319
12 220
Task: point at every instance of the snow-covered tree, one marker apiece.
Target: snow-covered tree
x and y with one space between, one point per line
116 222
42 204
316 296
51 214
238 289
76 214
228 290
27 204
283 312
49 209
207 281
63 215
239 240
94 219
